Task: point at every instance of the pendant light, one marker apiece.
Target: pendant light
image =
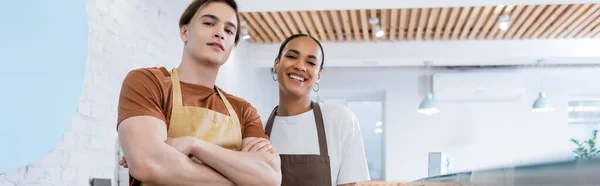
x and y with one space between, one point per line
541 104
427 106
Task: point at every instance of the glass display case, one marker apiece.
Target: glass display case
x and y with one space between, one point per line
564 173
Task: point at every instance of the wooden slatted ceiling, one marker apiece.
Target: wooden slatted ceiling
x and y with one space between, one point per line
561 21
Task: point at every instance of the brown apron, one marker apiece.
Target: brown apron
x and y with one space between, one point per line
203 123
305 169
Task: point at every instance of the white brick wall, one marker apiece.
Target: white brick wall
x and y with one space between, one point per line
123 35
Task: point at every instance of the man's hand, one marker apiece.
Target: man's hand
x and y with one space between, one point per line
182 144
254 144
123 163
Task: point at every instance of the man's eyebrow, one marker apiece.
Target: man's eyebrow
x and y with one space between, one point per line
217 18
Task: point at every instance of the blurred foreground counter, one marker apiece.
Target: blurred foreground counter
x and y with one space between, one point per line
566 173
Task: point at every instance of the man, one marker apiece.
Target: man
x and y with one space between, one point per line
166 117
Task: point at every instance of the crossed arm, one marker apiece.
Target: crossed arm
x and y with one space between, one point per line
153 161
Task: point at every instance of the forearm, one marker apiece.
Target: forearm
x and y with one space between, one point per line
243 168
172 167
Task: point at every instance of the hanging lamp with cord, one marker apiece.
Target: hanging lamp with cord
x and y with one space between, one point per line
541 104
428 105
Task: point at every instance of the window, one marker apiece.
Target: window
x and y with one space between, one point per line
368 108
584 118
584 112
370 116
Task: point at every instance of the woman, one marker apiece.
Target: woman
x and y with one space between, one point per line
319 144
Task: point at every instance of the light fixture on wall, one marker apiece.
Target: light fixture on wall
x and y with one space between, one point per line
427 106
541 104
378 31
504 22
245 34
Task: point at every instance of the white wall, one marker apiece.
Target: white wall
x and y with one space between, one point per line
241 78
124 35
447 53
477 134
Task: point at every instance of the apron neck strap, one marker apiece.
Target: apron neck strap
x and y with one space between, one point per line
177 99
320 129
318 121
230 109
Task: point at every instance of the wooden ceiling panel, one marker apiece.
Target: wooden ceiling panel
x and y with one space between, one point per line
431 23
481 19
355 25
583 21
385 23
403 24
393 24
556 21
440 24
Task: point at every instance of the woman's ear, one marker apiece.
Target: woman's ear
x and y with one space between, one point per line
319 76
275 65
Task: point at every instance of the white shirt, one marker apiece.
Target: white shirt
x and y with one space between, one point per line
298 135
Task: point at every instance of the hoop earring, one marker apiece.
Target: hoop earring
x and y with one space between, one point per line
318 87
274 76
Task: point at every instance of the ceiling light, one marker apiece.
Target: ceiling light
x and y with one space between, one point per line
541 104
427 106
245 34
379 130
503 25
378 31
504 22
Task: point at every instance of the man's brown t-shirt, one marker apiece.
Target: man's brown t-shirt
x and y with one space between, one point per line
148 91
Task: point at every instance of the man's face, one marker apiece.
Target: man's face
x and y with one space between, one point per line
210 35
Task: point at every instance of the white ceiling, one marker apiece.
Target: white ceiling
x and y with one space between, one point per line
289 5
445 53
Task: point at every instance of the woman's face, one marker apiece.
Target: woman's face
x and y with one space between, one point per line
299 66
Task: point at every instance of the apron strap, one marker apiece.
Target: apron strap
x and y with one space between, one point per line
318 121
269 126
230 109
320 129
177 98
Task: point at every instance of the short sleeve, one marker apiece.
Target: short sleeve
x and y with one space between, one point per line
353 167
251 123
140 95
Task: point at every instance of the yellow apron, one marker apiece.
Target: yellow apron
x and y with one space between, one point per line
206 124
